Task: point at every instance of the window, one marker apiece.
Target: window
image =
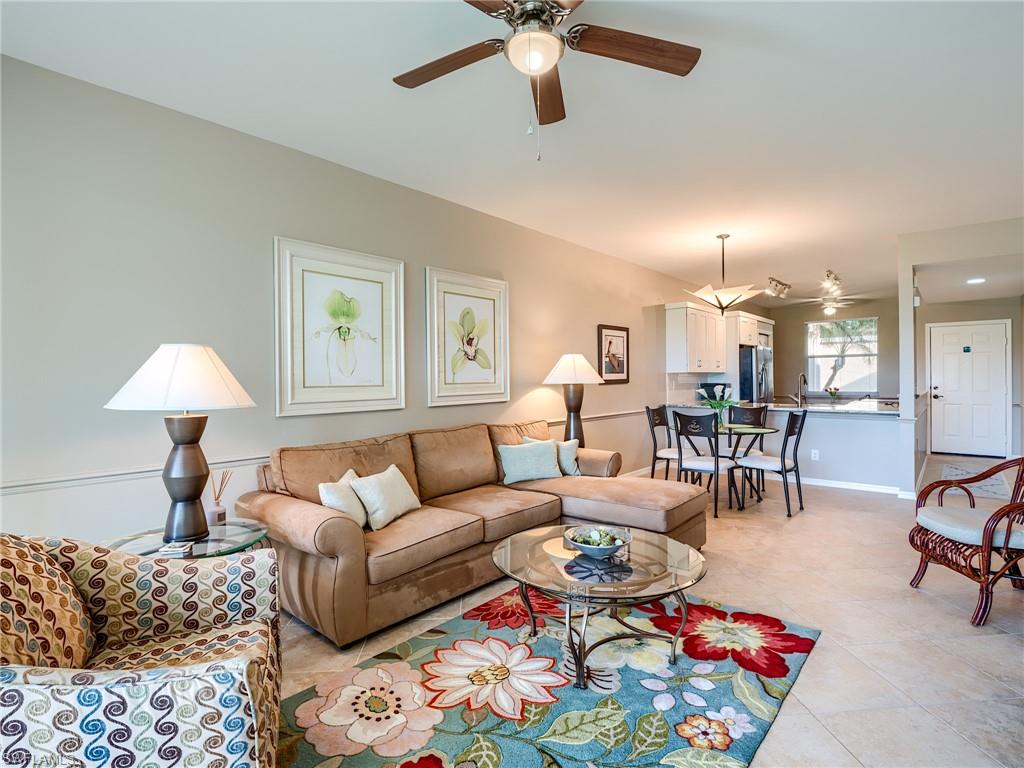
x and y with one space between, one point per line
844 354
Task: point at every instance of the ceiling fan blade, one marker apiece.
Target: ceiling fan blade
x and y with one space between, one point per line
449 63
567 6
674 58
490 7
547 97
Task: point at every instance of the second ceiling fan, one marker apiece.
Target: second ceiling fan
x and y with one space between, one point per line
535 45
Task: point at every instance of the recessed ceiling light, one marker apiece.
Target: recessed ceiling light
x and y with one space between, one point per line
976 281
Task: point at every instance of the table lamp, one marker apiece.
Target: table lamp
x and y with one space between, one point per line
572 371
183 377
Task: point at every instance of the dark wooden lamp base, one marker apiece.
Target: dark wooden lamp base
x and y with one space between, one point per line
185 475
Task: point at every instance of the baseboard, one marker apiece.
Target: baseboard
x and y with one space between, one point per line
892 490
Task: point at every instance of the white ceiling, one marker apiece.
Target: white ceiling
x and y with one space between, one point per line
813 132
1004 278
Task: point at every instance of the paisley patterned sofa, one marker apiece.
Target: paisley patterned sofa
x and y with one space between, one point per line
111 659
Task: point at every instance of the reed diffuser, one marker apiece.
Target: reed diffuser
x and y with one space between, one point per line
216 514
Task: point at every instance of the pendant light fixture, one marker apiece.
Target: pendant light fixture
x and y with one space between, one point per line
724 298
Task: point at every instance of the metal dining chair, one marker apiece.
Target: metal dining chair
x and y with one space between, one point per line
788 462
657 418
755 416
690 427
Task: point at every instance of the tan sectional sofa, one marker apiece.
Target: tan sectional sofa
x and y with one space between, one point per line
347 582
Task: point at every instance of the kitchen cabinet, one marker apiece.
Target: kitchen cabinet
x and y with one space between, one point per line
694 339
747 331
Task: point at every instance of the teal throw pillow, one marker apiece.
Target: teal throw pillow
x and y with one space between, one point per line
529 461
567 450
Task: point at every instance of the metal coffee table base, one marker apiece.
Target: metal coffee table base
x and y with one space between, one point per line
576 638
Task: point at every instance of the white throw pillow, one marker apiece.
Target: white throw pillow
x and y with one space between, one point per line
386 496
341 497
529 461
567 450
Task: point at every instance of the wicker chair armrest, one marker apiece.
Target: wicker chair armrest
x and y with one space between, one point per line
944 485
1011 514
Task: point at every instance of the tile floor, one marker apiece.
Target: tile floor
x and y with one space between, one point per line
899 677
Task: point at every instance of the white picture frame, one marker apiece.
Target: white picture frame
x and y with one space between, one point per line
339 330
463 369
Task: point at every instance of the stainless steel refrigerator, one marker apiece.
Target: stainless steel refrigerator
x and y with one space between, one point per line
757 384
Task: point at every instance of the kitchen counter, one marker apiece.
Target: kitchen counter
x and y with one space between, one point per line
875 407
850 444
885 407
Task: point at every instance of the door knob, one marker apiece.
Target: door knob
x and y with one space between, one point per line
936 397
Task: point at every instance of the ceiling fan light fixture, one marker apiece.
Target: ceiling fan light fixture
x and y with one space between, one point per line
829 310
534 48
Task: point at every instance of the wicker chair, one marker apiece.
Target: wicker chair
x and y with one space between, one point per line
964 539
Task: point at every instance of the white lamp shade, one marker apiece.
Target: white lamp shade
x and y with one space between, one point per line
573 369
181 377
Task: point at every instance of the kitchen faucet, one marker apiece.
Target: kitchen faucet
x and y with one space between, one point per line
801 389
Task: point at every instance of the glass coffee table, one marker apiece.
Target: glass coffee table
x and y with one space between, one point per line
651 567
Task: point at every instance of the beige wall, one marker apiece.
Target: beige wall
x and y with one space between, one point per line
127 225
965 311
790 341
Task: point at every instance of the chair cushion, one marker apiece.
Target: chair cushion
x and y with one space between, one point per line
636 502
770 463
504 510
43 621
672 453
513 434
706 464
250 639
418 538
452 460
966 525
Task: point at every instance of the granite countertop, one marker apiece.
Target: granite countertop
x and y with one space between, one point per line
884 407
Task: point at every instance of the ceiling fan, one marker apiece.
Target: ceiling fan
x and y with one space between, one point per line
535 45
829 306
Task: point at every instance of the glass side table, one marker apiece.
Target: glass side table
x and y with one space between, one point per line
234 536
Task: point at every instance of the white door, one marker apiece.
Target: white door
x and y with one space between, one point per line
969 387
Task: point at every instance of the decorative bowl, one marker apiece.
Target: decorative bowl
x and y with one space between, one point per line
594 550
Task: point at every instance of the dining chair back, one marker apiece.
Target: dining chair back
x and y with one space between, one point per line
794 429
697 426
657 418
692 426
755 416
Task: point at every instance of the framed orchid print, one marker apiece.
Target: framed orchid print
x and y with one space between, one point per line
613 353
338 328
467 339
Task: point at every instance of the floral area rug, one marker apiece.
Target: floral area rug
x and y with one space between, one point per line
479 692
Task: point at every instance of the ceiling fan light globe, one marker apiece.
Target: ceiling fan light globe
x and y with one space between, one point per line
534 49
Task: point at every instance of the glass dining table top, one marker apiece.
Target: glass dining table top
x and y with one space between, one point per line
649 567
724 428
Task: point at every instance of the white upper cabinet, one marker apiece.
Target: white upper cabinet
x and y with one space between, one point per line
747 331
694 340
